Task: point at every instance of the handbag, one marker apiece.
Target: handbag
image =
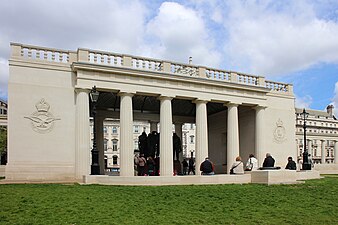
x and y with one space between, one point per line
249 167
232 169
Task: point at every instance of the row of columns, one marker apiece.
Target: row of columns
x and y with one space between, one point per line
323 150
166 157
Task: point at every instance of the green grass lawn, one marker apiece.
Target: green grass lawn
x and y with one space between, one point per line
315 202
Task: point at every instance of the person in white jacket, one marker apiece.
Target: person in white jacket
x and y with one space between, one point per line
252 163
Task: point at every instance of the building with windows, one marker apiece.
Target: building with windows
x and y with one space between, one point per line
111 144
321 135
50 108
3 113
3 128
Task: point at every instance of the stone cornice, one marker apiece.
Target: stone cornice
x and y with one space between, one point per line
77 66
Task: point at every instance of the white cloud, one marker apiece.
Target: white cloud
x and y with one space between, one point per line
269 38
178 32
3 78
116 26
303 102
335 100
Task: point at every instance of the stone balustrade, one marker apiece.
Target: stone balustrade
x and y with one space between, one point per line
35 53
42 54
277 86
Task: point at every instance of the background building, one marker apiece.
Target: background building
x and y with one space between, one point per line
321 133
111 143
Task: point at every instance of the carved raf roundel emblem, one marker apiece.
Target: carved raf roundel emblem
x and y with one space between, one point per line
42 121
279 133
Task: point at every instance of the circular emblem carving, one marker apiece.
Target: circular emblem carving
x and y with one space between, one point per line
279 133
42 121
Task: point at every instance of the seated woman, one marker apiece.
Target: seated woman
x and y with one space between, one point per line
237 167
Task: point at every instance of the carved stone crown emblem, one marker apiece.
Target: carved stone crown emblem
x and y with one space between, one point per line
42 106
42 121
279 133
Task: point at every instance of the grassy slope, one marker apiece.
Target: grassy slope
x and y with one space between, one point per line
315 202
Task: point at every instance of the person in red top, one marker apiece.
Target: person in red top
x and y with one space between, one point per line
207 167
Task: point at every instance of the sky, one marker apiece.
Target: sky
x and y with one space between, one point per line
290 41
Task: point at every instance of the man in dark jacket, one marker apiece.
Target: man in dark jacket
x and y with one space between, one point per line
268 161
207 167
291 164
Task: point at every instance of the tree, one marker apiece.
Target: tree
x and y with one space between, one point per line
3 141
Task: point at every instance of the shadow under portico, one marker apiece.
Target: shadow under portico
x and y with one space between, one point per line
147 108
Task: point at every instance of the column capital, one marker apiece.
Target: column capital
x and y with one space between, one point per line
232 104
78 90
196 101
259 107
126 93
165 97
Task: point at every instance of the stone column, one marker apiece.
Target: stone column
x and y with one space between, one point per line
126 135
99 141
82 134
336 152
309 148
259 135
323 152
233 135
201 147
178 131
166 137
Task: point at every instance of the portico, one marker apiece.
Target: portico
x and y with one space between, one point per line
235 114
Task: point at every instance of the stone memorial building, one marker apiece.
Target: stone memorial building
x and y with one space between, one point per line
50 109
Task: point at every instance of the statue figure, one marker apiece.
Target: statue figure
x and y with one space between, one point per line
143 144
153 144
177 146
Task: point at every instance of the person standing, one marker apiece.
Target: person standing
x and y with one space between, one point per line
185 166
141 165
191 166
269 161
207 167
291 164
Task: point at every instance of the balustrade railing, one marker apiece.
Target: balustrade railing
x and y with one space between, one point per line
44 54
247 79
183 69
217 74
112 59
146 64
276 86
105 58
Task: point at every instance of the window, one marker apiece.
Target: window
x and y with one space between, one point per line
135 144
114 130
136 129
191 126
192 139
144 129
105 142
115 160
105 130
114 145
